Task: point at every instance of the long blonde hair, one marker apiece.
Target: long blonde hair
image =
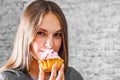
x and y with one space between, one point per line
29 25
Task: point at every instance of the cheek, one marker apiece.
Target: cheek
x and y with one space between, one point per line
35 50
58 45
35 47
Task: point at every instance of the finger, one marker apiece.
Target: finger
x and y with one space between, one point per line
61 73
54 71
41 74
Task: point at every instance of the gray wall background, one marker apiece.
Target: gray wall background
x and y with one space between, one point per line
94 34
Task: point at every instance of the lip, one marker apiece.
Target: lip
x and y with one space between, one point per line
43 50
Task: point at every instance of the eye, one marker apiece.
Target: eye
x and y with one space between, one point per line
58 35
40 33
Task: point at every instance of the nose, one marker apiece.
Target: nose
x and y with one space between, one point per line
49 43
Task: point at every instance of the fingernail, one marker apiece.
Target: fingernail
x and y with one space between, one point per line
62 67
56 64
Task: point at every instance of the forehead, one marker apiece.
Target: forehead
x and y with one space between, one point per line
50 21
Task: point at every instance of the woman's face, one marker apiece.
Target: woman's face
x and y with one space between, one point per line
49 35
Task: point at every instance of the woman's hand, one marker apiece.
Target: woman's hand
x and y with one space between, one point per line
53 75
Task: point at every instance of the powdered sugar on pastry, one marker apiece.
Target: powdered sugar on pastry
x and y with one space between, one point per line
49 54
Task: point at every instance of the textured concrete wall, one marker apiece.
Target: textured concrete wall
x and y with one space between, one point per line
94 34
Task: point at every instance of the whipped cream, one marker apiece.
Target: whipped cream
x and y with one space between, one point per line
49 54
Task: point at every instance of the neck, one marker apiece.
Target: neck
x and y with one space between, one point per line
34 69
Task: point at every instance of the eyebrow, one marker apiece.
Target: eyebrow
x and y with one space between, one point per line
42 30
46 30
59 30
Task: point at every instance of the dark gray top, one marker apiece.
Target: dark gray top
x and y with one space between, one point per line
8 74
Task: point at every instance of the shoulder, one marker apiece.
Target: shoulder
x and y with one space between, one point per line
72 74
9 74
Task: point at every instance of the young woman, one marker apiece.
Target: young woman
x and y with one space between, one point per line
43 26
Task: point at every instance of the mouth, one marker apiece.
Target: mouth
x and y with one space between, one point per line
43 50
